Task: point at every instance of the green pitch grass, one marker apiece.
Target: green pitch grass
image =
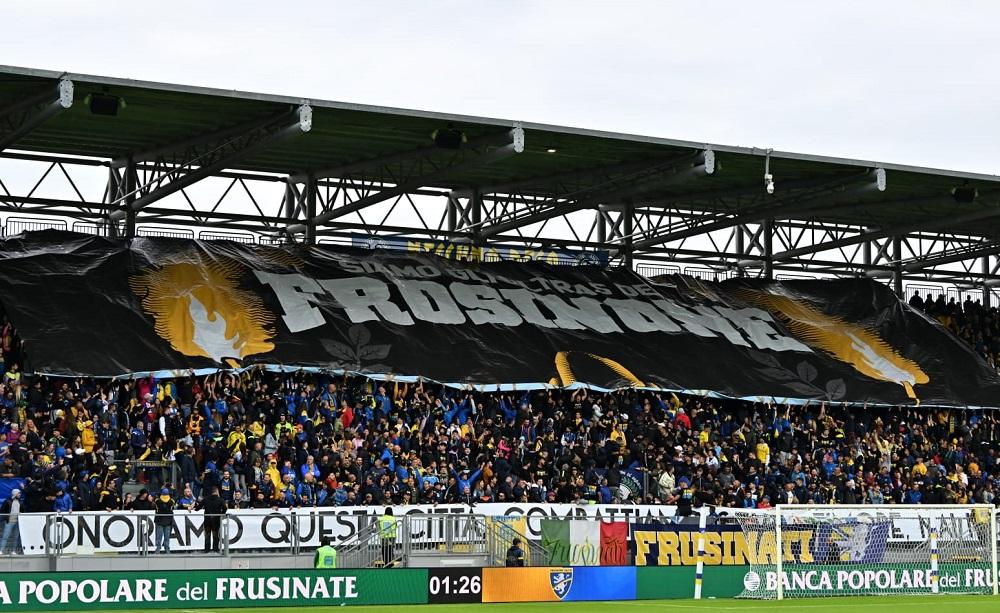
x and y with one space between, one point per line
882 604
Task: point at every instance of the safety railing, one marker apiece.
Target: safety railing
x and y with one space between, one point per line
236 237
395 542
655 270
16 225
164 232
446 534
376 545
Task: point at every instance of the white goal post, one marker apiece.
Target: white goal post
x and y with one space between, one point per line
805 551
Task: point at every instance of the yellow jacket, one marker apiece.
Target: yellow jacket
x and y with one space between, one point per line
236 440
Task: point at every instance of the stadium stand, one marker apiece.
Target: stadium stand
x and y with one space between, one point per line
969 320
296 439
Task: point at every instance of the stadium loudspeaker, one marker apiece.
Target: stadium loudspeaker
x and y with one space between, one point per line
101 104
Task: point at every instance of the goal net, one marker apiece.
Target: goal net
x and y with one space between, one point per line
811 551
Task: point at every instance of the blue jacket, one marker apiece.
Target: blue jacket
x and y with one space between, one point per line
383 403
466 483
509 412
138 438
63 504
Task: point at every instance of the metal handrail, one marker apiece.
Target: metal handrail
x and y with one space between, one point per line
368 548
436 534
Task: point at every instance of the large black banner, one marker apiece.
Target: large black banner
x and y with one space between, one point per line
93 306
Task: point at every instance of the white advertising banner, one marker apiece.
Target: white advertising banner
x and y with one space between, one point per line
263 529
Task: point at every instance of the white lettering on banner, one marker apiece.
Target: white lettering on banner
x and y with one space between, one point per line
484 305
957 525
50 591
368 299
295 293
262 529
285 588
364 299
641 316
133 590
431 302
883 579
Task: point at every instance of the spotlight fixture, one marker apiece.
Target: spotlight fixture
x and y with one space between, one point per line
103 104
551 150
449 138
964 194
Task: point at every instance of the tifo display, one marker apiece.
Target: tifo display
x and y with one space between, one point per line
177 305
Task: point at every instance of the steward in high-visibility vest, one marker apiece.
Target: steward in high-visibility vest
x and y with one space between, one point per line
387 531
326 556
387 525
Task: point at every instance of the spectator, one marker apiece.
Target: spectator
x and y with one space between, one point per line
164 520
214 507
10 512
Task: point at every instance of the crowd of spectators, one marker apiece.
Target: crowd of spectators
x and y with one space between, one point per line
969 320
267 439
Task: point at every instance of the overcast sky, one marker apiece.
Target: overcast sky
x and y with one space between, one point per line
906 82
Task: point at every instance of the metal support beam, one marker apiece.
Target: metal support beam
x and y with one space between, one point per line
516 145
131 179
862 237
452 212
897 269
289 208
740 247
192 147
19 119
476 215
991 212
669 173
960 255
311 194
219 157
783 208
768 238
985 264
628 209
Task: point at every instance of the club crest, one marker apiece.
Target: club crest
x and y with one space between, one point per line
561 580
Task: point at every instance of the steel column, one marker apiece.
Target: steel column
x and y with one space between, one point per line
740 248
131 179
985 264
768 239
628 209
452 213
310 196
897 266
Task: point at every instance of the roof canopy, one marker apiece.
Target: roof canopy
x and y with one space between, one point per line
542 171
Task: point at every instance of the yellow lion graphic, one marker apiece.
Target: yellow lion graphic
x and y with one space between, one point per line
201 311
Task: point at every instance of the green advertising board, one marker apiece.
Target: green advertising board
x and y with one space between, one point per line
210 589
667 582
662 582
